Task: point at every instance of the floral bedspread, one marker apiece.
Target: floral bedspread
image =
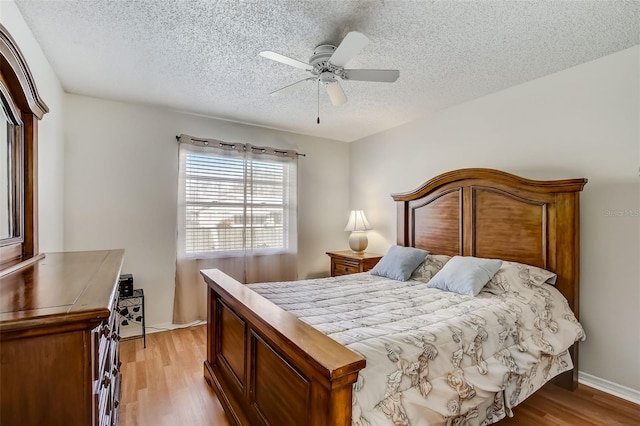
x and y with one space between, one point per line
436 357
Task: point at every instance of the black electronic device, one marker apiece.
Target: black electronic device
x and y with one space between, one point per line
125 285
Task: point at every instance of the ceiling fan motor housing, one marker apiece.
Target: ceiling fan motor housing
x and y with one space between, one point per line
320 60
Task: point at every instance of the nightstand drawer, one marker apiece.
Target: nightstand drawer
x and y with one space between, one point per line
341 267
346 262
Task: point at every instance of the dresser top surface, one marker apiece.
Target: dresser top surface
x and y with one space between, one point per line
80 284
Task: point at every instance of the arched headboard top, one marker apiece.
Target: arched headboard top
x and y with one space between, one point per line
495 176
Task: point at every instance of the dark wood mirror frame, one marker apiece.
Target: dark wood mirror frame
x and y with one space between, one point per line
20 95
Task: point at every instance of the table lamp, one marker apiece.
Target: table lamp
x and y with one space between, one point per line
358 224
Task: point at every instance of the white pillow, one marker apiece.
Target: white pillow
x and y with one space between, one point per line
465 275
523 274
519 279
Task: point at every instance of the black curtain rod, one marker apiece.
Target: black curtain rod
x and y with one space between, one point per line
233 145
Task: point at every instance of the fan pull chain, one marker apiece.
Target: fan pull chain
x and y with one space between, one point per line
318 121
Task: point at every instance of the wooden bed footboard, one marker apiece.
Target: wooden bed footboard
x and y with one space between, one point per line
268 367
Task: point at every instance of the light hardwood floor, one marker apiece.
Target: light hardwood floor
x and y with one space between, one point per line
164 385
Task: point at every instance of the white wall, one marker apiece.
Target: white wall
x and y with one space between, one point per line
50 130
582 122
121 164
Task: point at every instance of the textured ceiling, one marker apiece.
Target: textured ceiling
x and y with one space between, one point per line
202 56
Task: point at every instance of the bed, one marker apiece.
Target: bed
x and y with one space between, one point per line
270 367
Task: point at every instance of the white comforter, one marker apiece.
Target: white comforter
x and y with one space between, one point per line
435 357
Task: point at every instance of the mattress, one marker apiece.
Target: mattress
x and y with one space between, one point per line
436 357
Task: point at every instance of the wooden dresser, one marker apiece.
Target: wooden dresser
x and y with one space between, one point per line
59 342
346 262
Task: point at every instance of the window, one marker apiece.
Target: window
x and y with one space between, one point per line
234 200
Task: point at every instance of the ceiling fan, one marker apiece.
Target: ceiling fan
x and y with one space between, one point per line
327 64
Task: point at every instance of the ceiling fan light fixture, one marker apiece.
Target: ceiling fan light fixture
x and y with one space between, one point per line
336 94
327 78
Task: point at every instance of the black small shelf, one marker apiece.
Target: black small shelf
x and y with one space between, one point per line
131 311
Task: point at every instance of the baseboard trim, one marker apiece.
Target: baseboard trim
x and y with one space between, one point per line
170 326
135 332
615 389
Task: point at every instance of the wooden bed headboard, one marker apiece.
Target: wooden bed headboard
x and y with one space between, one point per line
492 214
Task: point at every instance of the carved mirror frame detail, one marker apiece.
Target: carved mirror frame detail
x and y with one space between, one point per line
20 98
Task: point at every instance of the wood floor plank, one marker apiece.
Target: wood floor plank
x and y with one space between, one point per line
585 407
164 385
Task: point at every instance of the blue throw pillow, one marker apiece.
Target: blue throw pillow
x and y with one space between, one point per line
399 262
465 275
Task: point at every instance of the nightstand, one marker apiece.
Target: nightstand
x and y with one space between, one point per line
346 262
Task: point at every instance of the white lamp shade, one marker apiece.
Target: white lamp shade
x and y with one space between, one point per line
357 221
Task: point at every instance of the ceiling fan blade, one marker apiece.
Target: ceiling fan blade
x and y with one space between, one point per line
336 94
352 44
292 86
285 60
385 76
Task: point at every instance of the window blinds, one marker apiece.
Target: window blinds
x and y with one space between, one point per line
236 201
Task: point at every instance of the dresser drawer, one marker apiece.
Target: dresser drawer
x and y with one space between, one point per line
107 370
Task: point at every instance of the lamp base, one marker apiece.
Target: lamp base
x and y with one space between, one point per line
358 242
